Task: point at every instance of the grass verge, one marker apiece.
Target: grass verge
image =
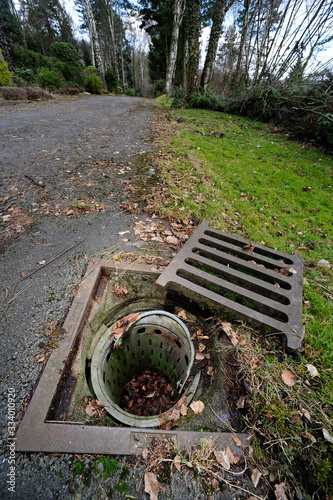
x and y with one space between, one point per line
245 178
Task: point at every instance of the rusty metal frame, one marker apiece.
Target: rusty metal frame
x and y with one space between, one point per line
36 434
214 266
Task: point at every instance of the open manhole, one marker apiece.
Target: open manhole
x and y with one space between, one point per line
149 343
119 326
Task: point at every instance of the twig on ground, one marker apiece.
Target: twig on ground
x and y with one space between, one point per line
37 183
50 261
28 285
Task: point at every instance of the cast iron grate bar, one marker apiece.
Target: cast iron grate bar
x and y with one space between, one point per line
255 282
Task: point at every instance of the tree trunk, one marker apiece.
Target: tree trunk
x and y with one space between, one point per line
245 29
220 8
178 11
194 29
108 4
94 41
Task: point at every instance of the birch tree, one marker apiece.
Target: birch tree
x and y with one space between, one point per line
95 47
178 12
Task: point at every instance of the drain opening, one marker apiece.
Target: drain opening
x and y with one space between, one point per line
235 294
164 346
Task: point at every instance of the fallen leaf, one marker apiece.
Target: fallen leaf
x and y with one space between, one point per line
42 262
207 356
172 240
177 462
249 247
254 363
175 415
240 403
199 356
201 347
152 485
210 371
7 291
233 459
197 407
23 275
327 435
288 378
306 414
145 453
182 314
312 370
237 440
90 410
280 491
40 360
181 402
256 475
122 233
222 458
183 410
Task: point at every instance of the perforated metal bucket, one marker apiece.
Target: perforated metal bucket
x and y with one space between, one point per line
156 340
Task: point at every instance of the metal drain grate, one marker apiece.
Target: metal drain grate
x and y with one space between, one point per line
254 281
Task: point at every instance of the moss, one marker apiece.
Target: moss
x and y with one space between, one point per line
79 467
110 466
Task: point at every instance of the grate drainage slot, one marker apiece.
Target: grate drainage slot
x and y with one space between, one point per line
235 294
238 278
255 282
249 268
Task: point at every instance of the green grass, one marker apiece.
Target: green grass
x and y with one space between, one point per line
277 192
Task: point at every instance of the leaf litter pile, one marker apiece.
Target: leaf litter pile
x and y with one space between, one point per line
148 393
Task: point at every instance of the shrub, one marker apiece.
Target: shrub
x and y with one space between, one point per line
13 93
206 100
159 87
5 74
130 91
49 78
65 52
93 84
89 70
111 81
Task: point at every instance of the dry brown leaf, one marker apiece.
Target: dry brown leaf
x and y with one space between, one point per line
172 240
184 410
256 475
199 356
288 378
175 415
90 410
201 347
177 462
152 485
122 233
210 371
182 314
254 363
233 459
240 403
222 458
23 275
6 292
227 328
40 360
145 453
280 491
181 402
306 414
197 407
237 440
207 356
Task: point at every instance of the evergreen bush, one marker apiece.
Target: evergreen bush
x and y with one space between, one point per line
93 84
49 78
5 74
111 81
